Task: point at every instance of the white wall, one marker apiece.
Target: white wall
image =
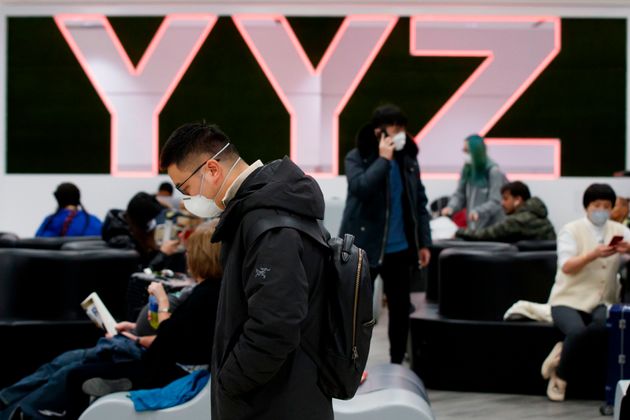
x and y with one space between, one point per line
27 199
563 196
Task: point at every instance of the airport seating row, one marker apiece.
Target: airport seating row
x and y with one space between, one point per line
459 339
40 295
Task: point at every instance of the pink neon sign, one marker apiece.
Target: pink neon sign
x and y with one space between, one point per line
315 96
135 96
516 51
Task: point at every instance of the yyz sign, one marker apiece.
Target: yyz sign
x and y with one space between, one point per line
515 51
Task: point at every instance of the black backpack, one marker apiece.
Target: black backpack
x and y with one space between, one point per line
343 352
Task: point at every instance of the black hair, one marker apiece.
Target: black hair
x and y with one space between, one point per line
166 186
517 189
195 139
387 115
143 208
599 192
68 194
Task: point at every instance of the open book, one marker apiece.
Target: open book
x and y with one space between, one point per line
99 314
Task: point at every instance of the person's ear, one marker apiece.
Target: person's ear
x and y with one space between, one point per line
213 167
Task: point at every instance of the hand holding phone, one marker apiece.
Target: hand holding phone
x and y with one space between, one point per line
615 240
386 147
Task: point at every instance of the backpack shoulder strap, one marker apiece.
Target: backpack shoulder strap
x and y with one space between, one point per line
311 227
315 229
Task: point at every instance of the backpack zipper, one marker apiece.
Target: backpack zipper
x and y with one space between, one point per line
355 351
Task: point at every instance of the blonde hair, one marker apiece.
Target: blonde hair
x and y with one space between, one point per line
203 255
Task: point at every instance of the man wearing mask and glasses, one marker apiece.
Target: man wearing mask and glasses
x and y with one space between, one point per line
272 299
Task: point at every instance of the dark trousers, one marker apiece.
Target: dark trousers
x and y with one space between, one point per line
577 326
396 275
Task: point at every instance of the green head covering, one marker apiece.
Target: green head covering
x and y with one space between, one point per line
476 172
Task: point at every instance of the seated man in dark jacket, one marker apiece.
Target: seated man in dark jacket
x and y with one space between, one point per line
526 219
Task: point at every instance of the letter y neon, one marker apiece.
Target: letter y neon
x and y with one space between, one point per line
135 96
314 97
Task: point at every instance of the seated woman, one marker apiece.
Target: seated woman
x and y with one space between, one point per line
182 342
586 281
70 219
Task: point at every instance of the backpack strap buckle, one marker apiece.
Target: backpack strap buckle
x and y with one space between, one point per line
346 247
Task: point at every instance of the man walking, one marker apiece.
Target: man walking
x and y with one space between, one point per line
386 211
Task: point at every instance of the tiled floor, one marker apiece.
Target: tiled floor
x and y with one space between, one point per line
449 405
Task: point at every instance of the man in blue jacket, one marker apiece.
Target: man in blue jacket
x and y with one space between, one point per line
386 211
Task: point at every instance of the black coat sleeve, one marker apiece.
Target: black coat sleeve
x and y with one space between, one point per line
277 290
424 229
363 182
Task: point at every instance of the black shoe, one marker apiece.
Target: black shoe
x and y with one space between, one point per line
97 387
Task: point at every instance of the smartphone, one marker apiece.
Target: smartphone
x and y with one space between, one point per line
615 240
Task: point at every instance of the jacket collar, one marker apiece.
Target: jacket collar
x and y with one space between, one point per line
231 192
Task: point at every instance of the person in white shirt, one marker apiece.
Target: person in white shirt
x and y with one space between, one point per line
586 281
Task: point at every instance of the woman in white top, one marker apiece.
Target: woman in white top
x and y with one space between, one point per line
586 280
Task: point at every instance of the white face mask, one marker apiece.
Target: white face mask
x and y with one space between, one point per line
202 206
599 217
467 158
399 141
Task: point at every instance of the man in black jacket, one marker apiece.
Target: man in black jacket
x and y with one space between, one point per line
272 300
386 211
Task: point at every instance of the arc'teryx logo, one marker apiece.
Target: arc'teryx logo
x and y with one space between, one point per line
262 272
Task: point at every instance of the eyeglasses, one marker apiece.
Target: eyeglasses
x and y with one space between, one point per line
181 184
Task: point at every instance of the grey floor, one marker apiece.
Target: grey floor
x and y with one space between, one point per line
449 405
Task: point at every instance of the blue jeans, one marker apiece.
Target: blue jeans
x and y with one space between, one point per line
46 388
47 377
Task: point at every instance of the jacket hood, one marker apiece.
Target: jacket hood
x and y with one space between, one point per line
536 206
367 143
281 185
